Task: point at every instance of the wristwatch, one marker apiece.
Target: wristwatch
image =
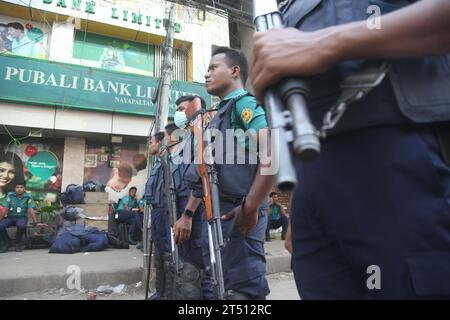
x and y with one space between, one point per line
189 213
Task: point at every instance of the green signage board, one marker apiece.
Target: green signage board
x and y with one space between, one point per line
43 165
66 85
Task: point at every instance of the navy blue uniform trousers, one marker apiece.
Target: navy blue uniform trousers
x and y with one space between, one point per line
377 197
195 250
283 222
192 249
161 230
243 258
19 221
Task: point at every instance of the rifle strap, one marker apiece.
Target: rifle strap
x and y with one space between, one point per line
354 87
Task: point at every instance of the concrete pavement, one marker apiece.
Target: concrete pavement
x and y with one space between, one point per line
36 270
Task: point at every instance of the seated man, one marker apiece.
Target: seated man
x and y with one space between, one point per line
277 217
126 213
140 214
17 205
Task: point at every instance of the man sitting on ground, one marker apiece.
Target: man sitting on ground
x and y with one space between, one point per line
277 217
126 213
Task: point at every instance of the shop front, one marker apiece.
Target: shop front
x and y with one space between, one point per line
77 86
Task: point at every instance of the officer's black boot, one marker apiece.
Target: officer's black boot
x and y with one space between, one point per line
5 241
160 278
268 234
130 241
236 295
19 246
116 242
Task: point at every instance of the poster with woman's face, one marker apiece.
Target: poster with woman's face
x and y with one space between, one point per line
37 163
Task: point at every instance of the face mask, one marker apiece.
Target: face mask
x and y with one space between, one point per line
180 119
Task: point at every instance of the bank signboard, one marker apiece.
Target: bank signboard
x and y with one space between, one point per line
72 86
145 15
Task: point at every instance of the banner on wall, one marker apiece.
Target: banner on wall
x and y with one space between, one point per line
37 163
115 169
104 52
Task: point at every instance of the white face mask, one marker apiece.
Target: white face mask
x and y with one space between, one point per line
180 119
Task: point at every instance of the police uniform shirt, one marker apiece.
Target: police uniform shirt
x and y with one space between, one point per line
252 115
18 206
275 211
131 202
142 203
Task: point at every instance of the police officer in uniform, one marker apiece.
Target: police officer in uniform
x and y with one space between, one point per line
371 217
243 256
192 283
154 196
18 205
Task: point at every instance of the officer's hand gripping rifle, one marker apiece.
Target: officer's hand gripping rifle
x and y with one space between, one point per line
169 190
208 176
286 108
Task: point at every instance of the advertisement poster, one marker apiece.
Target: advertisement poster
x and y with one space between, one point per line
114 54
115 169
23 38
38 163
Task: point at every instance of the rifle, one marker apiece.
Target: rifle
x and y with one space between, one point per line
286 108
208 175
148 248
169 190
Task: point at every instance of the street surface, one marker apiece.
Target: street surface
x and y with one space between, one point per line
282 287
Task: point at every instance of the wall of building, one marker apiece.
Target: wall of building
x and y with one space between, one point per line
53 118
245 34
73 161
82 128
198 31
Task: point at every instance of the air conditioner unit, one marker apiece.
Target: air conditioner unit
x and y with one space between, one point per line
116 139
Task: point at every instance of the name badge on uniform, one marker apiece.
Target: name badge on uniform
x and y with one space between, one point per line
19 209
